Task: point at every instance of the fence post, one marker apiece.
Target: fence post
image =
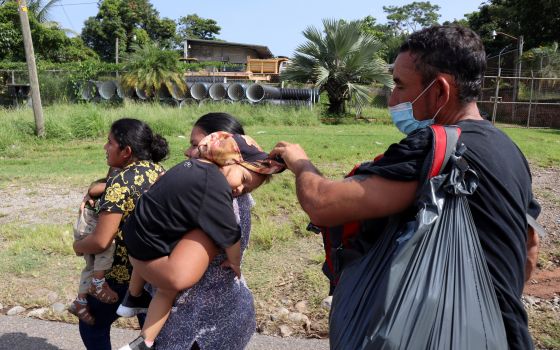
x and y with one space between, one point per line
530 98
495 109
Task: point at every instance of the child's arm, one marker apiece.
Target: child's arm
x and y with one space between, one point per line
234 258
96 189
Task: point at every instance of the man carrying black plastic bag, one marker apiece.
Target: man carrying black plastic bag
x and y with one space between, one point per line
438 75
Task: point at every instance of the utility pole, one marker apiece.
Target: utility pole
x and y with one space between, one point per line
117 50
32 68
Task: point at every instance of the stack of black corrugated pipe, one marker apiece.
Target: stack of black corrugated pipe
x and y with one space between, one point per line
203 90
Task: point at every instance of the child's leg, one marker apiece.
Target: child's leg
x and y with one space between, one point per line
79 307
136 300
158 312
136 285
100 275
86 276
99 287
100 290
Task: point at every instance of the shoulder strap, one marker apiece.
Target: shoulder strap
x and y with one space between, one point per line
445 140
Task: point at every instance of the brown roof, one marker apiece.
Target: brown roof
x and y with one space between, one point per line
263 51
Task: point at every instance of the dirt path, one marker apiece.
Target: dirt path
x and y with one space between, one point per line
545 284
40 204
27 333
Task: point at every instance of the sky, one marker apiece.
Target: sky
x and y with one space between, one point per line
276 24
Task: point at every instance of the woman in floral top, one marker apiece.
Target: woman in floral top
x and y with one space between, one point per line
135 149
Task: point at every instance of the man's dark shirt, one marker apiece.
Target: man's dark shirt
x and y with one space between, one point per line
499 205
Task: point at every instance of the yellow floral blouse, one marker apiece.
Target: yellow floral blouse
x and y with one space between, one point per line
121 195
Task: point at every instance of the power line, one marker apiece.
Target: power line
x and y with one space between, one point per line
76 4
68 18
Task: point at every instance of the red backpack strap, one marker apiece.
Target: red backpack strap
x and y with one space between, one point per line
444 143
353 171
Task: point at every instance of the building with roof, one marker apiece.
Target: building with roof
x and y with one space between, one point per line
223 51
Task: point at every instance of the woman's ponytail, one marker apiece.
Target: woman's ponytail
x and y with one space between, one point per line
160 148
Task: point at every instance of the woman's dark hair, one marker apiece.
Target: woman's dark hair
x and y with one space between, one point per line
451 49
139 136
213 122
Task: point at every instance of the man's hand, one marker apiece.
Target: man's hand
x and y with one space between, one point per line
293 155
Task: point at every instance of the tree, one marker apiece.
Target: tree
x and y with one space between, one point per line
386 34
128 21
412 17
489 18
545 60
149 68
537 20
194 27
50 42
41 10
341 60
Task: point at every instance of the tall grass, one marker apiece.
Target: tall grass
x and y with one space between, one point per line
65 122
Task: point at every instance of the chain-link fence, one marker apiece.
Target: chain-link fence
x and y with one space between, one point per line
524 101
525 94
56 87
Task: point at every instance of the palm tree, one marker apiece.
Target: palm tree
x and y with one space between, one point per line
41 10
341 60
150 68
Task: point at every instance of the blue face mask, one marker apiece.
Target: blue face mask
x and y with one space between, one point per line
403 116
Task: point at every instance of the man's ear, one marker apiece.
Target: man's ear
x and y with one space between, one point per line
443 90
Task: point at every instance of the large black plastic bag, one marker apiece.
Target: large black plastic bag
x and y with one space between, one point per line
425 283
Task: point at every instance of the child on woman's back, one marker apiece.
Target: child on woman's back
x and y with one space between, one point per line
92 279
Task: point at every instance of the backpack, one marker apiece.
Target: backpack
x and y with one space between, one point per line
342 243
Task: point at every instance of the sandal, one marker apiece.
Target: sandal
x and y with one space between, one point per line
81 311
104 294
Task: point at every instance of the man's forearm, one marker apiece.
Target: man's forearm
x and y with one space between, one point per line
308 188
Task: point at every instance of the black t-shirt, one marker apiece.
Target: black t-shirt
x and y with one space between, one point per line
498 206
193 194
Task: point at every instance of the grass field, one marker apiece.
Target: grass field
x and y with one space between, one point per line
283 262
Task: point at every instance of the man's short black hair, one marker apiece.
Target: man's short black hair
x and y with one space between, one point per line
454 50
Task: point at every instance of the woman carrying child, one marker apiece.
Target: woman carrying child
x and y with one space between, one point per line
132 147
205 210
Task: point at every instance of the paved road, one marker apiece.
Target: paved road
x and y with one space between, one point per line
32 334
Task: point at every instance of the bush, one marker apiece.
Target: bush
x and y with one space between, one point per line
56 87
57 130
88 125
